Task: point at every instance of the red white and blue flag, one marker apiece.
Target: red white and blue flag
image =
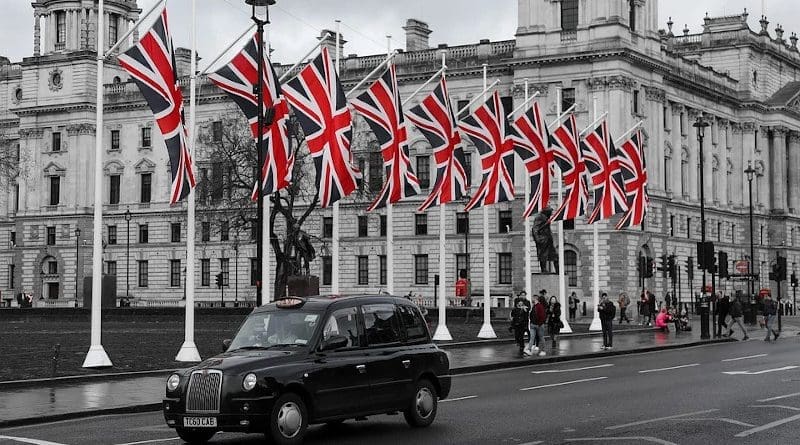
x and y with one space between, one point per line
532 144
381 107
487 126
151 64
239 78
600 157
567 154
634 174
321 109
434 118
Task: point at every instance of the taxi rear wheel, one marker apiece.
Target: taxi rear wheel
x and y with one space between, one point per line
194 436
288 420
422 408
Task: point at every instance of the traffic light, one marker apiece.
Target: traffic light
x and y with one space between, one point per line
663 265
705 255
781 268
648 270
690 268
723 264
671 266
641 264
794 280
219 280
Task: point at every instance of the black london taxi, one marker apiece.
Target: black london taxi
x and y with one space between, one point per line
301 361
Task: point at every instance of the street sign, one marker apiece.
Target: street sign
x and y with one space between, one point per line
742 266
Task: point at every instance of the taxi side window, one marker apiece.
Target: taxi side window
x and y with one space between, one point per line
343 322
382 324
413 323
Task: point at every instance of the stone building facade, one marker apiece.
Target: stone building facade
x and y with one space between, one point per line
611 53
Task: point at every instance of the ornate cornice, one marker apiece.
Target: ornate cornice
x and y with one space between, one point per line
31 133
748 127
655 94
780 130
76 129
519 90
677 108
736 127
794 137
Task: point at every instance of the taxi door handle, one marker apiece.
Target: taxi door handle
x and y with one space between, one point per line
406 363
361 368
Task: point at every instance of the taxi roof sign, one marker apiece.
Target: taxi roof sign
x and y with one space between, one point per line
290 302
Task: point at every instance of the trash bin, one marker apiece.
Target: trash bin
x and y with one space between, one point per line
583 309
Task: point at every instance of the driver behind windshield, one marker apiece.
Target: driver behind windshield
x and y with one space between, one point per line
283 334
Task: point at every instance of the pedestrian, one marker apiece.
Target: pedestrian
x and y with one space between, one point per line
644 309
538 323
723 307
735 311
519 322
651 302
607 312
770 311
668 301
662 320
554 323
573 306
623 302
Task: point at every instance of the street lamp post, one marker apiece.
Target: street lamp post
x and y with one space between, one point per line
77 259
750 172
236 271
128 257
704 307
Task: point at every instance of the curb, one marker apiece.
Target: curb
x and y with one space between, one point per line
66 380
143 408
498 341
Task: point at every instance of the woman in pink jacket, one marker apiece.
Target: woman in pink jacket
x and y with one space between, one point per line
662 320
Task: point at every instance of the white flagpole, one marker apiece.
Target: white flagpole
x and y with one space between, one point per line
249 30
389 223
335 249
299 61
97 357
386 61
527 225
486 330
266 246
442 333
188 351
595 325
562 282
430 79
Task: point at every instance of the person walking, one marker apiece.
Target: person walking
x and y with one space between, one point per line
623 302
651 303
770 311
735 311
554 320
607 311
723 307
538 323
519 322
644 309
573 306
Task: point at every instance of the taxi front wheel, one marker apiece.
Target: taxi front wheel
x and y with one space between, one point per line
288 420
422 409
194 437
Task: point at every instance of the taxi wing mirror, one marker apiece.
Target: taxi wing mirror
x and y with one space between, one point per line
333 343
226 344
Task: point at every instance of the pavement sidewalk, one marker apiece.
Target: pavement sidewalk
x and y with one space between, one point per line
37 401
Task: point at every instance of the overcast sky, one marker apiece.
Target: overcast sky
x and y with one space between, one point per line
365 23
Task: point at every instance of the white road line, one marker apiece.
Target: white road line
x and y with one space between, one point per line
457 399
776 406
31 441
779 397
724 419
744 358
785 368
768 426
532 443
563 383
150 441
670 368
550 371
618 439
676 416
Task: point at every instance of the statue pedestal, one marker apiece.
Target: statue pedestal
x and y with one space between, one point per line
546 281
303 285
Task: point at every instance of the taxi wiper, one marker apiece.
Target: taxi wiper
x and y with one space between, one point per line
250 347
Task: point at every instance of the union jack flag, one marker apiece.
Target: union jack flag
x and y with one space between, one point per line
567 154
634 173
321 109
238 78
600 157
434 118
151 64
381 107
532 144
487 126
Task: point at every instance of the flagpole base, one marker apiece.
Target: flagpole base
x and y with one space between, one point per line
487 331
595 326
567 329
442 333
97 358
188 353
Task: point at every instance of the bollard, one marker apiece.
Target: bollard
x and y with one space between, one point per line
56 352
583 310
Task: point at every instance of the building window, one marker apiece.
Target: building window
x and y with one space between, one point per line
382 279
327 227
205 272
632 15
175 273
688 227
216 131
504 221
567 98
115 139
508 103
733 233
113 189
504 268
12 237
224 231
224 267
761 235
462 263
421 224
253 271
568 224
571 268
55 190
375 171
51 236
424 171
254 229
362 226
468 168
113 29
383 225
327 270
462 222
569 15
111 268
363 270
461 109
146 137
144 234
175 232
362 165
205 231
719 232
143 273
146 181
11 284
636 101
420 269
56 141
671 225
52 267
61 27
112 234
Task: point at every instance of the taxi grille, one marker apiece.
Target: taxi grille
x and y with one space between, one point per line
203 393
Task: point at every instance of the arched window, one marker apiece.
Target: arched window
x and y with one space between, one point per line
571 267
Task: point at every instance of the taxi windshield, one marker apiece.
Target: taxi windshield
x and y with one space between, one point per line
275 328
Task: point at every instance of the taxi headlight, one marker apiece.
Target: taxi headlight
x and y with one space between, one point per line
173 381
249 382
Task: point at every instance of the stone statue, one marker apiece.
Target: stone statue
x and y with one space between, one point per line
306 251
543 237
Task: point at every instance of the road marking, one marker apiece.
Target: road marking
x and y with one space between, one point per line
150 441
618 439
457 399
549 371
31 441
723 419
563 383
670 368
776 406
785 368
744 358
779 397
768 426
532 443
676 416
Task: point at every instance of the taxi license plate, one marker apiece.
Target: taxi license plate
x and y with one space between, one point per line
201 422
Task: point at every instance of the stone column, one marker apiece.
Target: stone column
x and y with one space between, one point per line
764 181
794 172
778 168
655 99
694 154
37 34
722 149
677 148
